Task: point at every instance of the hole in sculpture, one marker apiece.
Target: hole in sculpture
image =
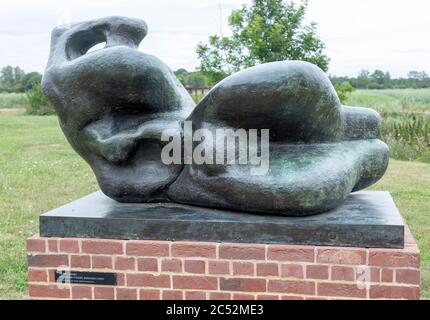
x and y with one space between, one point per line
96 47
86 41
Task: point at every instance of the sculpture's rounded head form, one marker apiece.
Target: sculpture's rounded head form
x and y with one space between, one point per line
114 103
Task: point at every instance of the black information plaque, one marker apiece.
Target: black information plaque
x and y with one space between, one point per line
94 278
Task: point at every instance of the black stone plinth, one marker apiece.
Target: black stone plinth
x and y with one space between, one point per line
367 219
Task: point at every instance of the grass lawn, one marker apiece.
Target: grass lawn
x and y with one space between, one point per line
393 100
39 172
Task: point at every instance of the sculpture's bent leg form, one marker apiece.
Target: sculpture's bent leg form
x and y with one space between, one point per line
320 151
303 179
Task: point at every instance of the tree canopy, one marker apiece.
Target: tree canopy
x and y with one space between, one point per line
194 79
266 31
14 79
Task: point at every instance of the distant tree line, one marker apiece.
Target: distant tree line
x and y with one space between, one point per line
196 79
15 80
383 80
365 80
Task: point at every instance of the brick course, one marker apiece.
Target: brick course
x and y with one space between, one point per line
152 270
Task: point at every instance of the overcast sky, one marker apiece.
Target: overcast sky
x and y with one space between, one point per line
384 34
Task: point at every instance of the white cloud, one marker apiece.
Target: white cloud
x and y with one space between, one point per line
385 34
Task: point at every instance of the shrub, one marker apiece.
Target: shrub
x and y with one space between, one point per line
38 104
344 91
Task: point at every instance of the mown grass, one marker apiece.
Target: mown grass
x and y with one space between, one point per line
39 171
13 101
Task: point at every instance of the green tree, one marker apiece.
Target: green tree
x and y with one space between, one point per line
7 77
18 73
30 80
363 79
380 80
344 91
417 75
194 79
181 74
266 31
11 78
38 103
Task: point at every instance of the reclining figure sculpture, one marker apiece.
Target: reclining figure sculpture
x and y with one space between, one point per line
115 103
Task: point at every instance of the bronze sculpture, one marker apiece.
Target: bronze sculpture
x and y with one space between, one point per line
114 105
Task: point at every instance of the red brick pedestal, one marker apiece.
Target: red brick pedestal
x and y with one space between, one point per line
193 270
